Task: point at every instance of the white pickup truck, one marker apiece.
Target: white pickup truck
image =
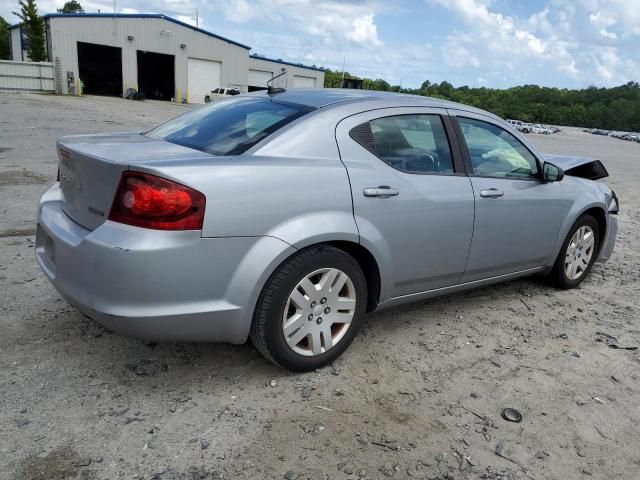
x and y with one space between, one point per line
218 93
520 126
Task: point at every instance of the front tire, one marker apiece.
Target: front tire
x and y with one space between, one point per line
578 253
310 309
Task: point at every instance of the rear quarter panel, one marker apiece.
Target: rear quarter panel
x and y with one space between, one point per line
299 197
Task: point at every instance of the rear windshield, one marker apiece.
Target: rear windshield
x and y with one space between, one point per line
229 127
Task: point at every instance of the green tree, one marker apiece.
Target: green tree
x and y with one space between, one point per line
333 79
616 108
5 50
72 6
33 25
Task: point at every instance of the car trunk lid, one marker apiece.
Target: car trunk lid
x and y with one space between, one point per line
90 168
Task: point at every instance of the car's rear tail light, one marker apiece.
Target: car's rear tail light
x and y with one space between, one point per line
149 201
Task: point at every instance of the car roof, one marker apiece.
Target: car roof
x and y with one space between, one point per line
332 97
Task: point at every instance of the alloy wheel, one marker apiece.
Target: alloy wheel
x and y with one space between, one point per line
579 252
319 311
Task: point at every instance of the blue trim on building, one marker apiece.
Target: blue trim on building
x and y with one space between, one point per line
141 15
177 22
299 65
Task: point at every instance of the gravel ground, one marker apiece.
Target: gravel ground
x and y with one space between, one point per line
418 394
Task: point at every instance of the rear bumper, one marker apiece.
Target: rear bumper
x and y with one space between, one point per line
609 239
155 285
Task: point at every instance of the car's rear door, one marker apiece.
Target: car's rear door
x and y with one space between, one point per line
412 202
517 214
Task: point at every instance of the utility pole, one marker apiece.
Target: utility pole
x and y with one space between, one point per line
197 19
344 60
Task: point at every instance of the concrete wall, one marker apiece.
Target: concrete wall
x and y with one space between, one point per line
26 76
286 81
150 34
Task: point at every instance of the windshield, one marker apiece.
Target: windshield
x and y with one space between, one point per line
229 127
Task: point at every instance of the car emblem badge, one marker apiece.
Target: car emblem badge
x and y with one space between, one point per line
71 182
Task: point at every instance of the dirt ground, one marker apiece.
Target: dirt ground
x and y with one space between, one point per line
417 395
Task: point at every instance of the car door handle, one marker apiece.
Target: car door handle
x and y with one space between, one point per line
491 193
383 191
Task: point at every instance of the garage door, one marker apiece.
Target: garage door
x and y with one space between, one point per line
202 77
303 82
259 78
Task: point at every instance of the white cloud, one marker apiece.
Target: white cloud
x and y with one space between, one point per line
606 61
182 9
602 21
364 31
585 40
329 20
240 11
497 34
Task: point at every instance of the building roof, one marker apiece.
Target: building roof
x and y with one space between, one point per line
177 22
299 65
141 15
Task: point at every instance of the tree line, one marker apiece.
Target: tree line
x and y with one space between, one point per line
616 108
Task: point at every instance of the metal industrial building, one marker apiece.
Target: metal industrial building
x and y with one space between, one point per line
155 54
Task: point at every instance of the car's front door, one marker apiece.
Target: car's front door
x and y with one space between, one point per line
517 214
412 202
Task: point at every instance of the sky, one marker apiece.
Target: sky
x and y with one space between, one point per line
493 43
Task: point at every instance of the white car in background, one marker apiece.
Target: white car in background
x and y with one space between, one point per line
540 129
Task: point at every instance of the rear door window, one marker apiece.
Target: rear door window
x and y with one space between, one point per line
409 143
229 127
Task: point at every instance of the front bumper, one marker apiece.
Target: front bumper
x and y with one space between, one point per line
155 285
609 240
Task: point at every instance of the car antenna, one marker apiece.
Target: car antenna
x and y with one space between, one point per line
271 90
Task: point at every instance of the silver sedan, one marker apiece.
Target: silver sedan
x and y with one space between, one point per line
287 216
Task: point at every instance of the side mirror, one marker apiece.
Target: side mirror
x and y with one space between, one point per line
551 173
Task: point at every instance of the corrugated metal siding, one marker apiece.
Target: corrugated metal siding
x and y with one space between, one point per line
150 34
26 76
285 81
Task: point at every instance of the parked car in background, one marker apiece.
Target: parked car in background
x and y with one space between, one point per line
629 136
632 137
520 126
220 93
537 128
285 217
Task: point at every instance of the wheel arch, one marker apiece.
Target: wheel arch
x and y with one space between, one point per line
601 217
359 253
369 267
595 210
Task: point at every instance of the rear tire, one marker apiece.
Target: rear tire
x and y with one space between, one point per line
310 309
578 253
